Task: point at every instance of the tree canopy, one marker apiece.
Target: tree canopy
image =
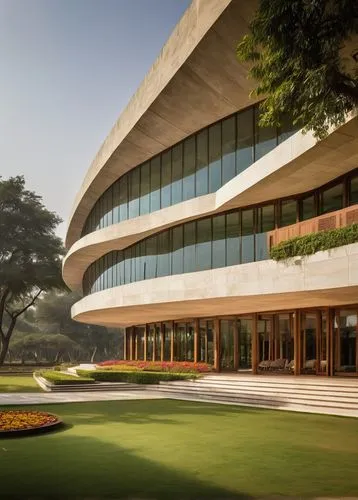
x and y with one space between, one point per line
30 254
300 62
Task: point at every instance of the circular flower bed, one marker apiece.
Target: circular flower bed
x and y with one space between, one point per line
13 422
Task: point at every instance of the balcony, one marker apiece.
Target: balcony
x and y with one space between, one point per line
333 220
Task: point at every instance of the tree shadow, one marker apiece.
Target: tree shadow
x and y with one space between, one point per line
86 468
157 411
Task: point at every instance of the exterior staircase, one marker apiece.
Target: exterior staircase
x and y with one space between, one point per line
307 394
92 387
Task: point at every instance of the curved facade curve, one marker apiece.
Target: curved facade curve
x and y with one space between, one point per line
199 165
172 228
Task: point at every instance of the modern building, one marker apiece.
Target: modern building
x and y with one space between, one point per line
171 230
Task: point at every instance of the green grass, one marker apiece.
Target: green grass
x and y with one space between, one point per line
18 383
59 378
164 449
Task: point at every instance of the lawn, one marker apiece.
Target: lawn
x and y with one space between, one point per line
18 383
167 449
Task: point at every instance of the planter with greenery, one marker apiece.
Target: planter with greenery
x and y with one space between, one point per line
156 366
134 377
315 242
59 378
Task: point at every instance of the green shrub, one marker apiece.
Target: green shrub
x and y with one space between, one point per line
137 377
58 378
315 242
63 366
85 373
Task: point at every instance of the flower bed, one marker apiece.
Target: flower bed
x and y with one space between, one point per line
136 376
157 366
13 422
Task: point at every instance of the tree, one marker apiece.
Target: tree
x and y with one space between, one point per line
30 254
53 315
298 52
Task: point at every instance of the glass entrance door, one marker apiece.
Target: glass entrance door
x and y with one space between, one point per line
345 343
244 326
308 339
228 343
264 331
275 343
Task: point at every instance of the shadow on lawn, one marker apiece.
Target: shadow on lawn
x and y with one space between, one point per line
73 467
157 411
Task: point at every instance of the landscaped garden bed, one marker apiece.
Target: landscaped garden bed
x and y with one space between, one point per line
59 378
133 376
156 366
16 422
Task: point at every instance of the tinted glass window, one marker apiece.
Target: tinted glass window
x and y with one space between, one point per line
265 137
178 250
145 189
196 166
214 157
203 245
123 196
116 202
265 224
332 199
228 149
308 208
155 184
177 174
233 239
166 179
202 160
151 252
219 241
163 254
287 128
134 190
247 244
353 191
189 169
189 247
245 140
288 212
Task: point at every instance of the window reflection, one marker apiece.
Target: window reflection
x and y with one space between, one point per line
332 199
288 212
239 236
196 166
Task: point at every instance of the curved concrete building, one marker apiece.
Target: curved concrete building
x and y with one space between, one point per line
171 230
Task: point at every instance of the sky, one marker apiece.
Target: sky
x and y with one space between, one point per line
68 69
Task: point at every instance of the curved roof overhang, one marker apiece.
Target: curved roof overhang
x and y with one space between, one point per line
195 81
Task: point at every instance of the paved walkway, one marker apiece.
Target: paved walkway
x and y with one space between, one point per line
34 398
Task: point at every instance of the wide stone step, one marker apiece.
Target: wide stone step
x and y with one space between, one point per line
267 405
96 386
266 382
303 380
254 397
89 388
335 396
326 391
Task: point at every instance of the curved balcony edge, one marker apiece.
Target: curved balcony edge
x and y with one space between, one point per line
245 288
297 165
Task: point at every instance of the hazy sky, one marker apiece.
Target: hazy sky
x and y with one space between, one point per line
68 68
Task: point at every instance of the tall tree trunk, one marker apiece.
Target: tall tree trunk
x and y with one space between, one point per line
93 354
4 348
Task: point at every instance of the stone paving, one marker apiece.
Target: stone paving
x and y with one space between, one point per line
33 398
